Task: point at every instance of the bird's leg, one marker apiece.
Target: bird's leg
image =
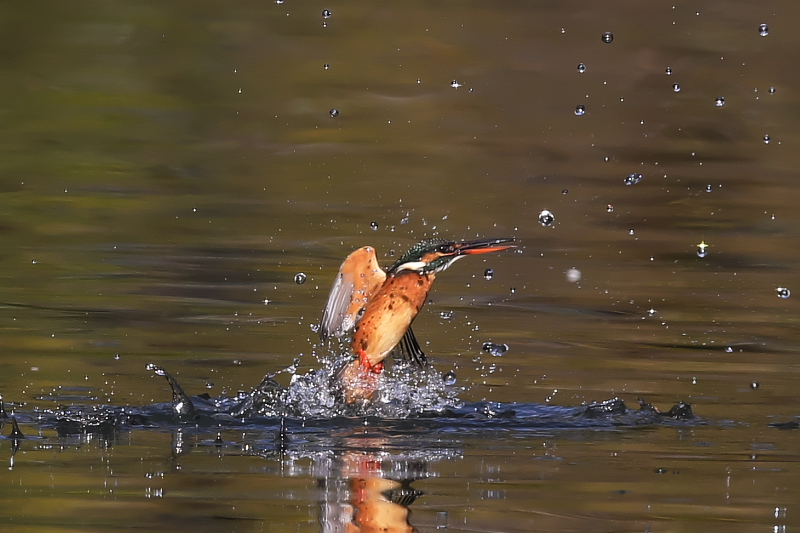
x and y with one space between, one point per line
365 364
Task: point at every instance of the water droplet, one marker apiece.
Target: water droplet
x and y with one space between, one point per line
374 226
278 1
334 112
449 378
772 90
581 68
608 37
580 110
34 261
766 139
783 292
709 188
676 87
669 71
719 101
701 252
763 30
512 290
728 349
495 350
488 274
326 13
754 385
455 84
446 315
564 191
209 384
326 66
633 179
631 232
300 278
546 218
610 208
573 275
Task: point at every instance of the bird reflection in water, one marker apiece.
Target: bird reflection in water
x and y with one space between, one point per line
365 491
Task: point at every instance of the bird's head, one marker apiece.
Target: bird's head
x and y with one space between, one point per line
434 255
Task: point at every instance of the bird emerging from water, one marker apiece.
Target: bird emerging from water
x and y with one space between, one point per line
376 308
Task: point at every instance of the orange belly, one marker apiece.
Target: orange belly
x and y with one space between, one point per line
389 314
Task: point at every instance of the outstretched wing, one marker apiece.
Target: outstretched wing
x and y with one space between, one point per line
358 279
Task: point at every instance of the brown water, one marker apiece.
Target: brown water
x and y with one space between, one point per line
167 170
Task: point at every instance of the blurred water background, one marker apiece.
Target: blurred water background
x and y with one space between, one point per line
167 170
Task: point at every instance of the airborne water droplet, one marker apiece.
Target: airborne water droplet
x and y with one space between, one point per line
326 13
633 179
374 226
580 110
763 30
581 68
783 292
719 101
495 350
546 218
488 274
669 71
766 139
334 112
676 88
449 378
300 278
608 37
573 275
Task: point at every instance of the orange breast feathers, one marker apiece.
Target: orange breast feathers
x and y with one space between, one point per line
390 313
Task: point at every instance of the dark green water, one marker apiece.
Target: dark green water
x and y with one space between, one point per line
167 169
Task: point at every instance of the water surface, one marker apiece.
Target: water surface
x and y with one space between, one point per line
167 170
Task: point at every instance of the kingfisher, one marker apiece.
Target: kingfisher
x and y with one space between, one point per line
375 308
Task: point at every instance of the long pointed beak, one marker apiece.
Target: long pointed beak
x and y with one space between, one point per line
484 246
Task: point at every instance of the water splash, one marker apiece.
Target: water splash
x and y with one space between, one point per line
403 391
